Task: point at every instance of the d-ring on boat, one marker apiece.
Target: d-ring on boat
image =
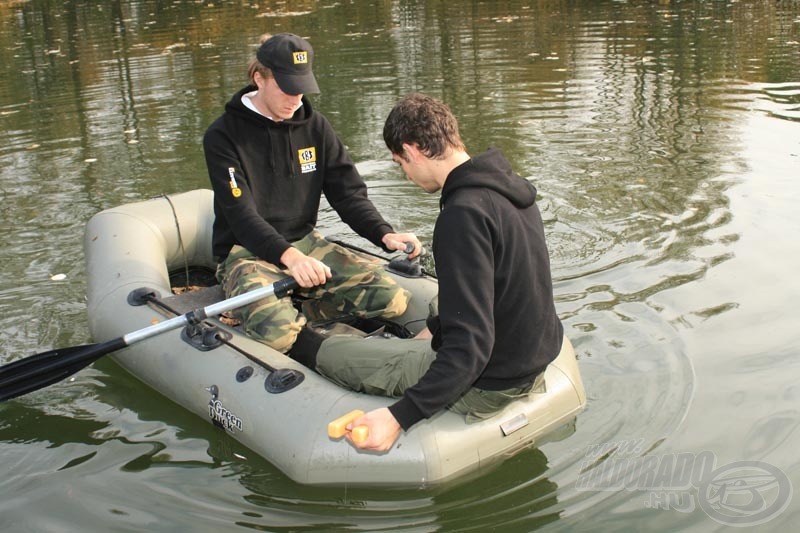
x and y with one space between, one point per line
261 397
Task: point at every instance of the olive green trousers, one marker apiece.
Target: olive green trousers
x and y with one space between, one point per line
388 366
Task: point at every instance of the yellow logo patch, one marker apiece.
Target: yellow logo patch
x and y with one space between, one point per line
300 58
235 190
308 159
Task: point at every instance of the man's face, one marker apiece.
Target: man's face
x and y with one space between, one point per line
279 105
415 170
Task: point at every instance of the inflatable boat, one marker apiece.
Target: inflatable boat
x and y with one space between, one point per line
262 398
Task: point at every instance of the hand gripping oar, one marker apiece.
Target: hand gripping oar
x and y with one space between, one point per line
40 370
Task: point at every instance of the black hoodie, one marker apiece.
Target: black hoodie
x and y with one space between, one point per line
268 178
497 326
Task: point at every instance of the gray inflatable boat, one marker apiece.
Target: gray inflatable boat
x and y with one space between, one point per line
262 398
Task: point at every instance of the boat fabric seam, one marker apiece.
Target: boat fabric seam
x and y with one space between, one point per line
180 237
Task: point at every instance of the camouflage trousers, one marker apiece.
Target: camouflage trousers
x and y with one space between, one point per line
359 287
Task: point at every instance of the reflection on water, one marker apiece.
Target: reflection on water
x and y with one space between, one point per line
661 137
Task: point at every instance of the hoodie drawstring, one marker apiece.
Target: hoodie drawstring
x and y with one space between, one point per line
291 155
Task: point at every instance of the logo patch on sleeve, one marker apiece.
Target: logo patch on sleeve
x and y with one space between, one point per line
235 190
308 159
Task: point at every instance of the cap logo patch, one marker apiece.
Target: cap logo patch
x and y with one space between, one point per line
300 58
308 159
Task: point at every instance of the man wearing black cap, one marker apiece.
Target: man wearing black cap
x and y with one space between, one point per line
270 157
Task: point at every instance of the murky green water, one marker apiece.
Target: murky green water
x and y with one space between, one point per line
664 138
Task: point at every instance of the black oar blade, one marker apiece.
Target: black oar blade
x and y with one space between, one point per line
37 381
40 370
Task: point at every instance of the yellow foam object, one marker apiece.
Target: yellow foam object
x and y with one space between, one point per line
338 428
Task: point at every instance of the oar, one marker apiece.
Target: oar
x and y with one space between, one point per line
40 370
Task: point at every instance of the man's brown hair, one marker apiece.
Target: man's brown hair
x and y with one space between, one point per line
424 121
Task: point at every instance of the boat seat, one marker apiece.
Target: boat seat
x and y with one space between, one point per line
195 299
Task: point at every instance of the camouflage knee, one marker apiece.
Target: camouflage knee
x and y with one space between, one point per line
360 286
273 321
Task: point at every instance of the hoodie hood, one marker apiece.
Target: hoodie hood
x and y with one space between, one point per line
490 170
235 106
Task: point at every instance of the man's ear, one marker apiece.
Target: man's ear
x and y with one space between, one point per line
259 79
412 152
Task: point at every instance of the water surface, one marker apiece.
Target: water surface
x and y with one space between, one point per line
664 140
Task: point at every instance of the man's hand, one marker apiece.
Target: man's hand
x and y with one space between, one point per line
307 271
383 430
399 241
424 334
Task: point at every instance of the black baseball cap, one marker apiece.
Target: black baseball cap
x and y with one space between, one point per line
289 57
